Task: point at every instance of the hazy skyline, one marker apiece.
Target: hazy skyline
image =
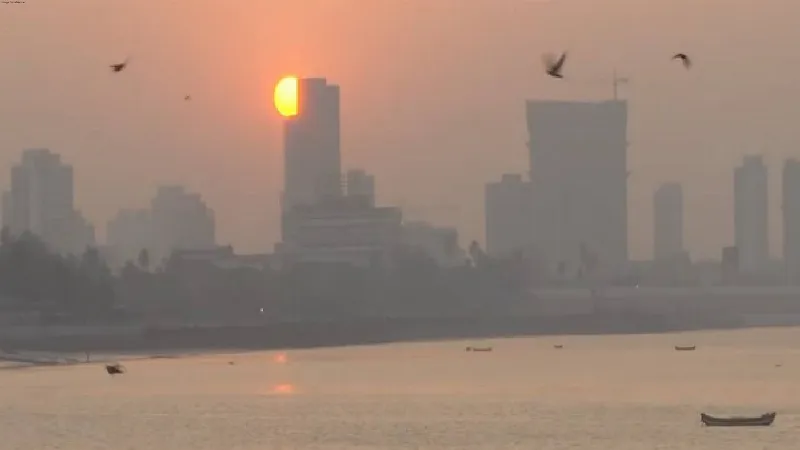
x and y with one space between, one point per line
433 98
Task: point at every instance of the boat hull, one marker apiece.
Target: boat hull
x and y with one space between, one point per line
764 420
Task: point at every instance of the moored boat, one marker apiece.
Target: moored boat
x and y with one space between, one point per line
687 348
558 346
479 349
763 420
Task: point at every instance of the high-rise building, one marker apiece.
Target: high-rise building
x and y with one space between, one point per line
791 220
751 214
360 184
311 143
508 215
180 221
319 224
128 233
177 220
667 221
7 210
41 202
730 265
578 170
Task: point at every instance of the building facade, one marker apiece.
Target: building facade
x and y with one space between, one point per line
508 216
328 218
791 220
341 231
311 139
667 221
181 220
177 220
128 233
439 243
362 185
751 209
41 201
578 171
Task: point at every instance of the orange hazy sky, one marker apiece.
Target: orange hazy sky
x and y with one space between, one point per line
433 97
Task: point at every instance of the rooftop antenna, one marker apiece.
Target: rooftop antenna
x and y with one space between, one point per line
616 81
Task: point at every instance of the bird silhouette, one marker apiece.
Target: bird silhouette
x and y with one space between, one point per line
554 66
119 67
687 62
114 369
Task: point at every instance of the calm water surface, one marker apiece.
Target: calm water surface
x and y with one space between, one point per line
615 392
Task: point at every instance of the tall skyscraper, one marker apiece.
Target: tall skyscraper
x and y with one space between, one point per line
578 169
667 221
311 143
791 220
319 224
508 215
751 213
41 201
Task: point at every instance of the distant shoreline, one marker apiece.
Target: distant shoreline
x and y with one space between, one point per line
304 335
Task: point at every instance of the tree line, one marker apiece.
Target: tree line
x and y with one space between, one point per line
83 288
33 276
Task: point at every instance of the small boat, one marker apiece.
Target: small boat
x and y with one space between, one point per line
763 420
115 369
558 346
479 349
688 348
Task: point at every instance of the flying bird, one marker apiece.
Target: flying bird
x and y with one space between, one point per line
687 63
119 67
553 66
114 369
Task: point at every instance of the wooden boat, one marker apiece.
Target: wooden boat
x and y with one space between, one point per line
558 346
115 369
479 349
763 420
688 348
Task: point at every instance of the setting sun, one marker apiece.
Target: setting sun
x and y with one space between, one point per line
283 389
286 96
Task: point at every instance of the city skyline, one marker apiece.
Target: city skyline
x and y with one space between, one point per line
395 224
330 226
134 131
741 182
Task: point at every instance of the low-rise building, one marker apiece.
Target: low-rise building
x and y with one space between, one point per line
440 243
345 230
